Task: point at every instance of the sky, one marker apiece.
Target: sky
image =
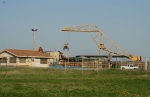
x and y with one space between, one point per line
127 22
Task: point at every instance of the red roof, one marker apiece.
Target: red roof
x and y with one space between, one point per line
27 53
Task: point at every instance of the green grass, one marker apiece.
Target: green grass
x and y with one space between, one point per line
38 82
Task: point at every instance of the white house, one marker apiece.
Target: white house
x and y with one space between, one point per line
54 54
58 56
31 58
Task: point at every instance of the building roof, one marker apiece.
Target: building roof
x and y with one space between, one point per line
105 56
26 53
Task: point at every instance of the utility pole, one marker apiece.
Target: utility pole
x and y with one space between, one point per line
66 47
34 38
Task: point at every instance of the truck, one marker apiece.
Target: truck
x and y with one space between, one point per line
130 66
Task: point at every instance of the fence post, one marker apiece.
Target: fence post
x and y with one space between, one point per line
6 65
145 63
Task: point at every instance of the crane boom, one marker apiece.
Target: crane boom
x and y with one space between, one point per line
102 41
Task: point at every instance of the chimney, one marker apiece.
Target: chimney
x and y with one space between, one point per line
40 50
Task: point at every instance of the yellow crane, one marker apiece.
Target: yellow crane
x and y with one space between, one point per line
102 41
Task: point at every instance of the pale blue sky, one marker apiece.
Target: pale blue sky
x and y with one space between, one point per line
127 22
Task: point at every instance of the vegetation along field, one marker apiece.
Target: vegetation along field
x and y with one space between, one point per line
40 82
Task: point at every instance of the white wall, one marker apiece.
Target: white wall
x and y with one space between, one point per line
7 56
55 55
36 63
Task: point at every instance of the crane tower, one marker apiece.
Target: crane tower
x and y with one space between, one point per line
102 41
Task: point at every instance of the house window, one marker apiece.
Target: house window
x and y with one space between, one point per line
4 60
22 60
43 61
12 60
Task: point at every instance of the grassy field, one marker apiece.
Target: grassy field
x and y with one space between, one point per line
37 82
